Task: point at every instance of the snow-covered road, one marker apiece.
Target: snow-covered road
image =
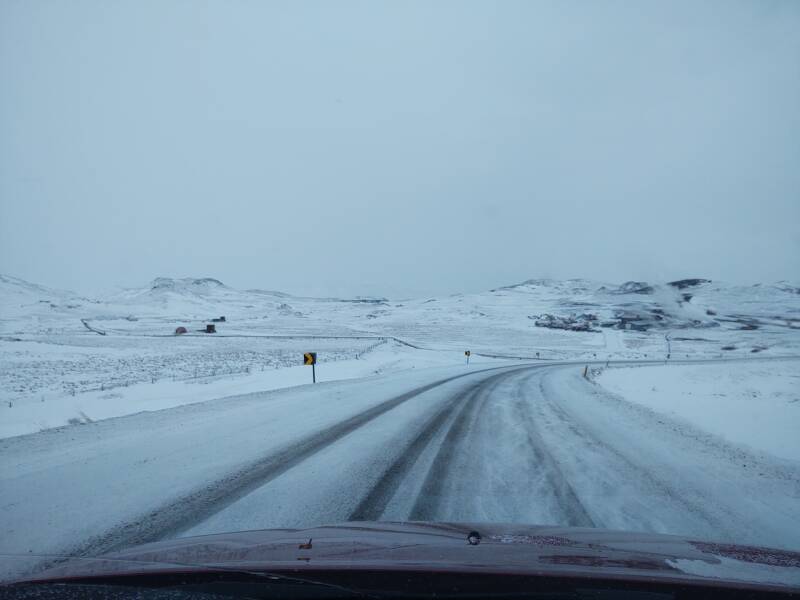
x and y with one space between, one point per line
521 443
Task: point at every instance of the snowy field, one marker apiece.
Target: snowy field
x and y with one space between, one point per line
52 385
686 423
756 404
73 364
68 359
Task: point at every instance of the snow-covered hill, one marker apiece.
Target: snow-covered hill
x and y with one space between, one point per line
17 293
188 296
30 307
51 349
544 312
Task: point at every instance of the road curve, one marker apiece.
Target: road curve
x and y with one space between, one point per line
180 514
536 444
527 443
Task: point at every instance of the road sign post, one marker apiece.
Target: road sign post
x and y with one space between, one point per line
310 358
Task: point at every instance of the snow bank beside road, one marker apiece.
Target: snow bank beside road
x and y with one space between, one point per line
755 403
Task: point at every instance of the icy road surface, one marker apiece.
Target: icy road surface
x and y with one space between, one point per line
525 443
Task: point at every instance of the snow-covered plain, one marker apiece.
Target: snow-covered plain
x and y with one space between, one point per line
104 411
753 404
110 386
55 370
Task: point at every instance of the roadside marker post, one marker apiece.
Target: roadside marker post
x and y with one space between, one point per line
310 358
467 353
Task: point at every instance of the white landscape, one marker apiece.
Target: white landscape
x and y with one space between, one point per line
546 255
690 400
56 371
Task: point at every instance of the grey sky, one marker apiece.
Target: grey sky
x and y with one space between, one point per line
398 147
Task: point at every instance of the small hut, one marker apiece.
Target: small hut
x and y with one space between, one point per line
211 328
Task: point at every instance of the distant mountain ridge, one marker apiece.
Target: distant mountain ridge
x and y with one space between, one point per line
204 286
170 283
11 287
537 306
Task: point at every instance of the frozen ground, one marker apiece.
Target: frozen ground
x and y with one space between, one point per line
753 404
52 385
115 431
522 443
55 368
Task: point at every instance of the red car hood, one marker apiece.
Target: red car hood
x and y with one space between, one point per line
443 547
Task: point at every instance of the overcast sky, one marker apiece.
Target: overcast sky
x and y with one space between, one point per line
398 148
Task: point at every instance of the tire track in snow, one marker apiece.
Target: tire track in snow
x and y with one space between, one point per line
180 514
373 505
557 488
459 417
557 481
428 502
